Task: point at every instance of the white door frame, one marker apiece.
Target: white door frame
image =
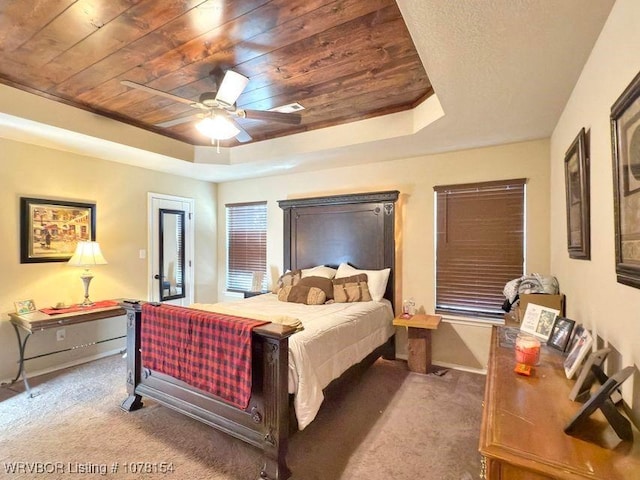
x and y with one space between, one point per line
189 243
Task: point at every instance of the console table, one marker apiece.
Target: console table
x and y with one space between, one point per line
34 322
522 435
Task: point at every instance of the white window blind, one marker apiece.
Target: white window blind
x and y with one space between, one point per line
246 244
479 245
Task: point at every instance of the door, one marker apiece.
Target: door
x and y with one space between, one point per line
171 243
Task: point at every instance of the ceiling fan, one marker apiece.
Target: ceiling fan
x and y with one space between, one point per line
217 109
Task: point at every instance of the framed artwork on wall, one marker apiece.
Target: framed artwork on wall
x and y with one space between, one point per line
50 229
576 173
625 143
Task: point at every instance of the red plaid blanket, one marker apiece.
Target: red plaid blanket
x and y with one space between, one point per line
207 350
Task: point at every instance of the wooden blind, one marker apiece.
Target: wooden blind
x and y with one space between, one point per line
479 245
246 244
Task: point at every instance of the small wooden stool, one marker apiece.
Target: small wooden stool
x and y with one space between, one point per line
419 330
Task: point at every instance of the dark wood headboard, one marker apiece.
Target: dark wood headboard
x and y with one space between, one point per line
357 229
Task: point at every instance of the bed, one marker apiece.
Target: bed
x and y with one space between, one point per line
356 229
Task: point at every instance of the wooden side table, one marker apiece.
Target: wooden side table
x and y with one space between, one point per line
34 322
419 329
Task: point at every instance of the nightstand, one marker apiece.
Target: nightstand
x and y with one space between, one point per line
419 330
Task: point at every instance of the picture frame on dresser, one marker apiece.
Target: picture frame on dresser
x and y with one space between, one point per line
538 320
561 333
625 144
581 345
50 229
576 172
601 399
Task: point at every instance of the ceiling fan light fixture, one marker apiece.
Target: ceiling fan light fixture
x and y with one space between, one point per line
232 86
217 127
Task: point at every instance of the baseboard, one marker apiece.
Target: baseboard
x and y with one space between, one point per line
462 368
452 366
62 366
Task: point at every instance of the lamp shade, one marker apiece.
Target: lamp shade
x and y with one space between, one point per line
217 127
87 254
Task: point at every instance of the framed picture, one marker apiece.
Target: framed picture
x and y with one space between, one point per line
561 333
582 388
601 400
25 306
538 320
50 229
580 347
576 175
625 143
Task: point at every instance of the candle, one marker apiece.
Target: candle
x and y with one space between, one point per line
527 349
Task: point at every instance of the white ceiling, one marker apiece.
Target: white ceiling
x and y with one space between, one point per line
502 71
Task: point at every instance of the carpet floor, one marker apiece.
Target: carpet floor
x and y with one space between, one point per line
388 423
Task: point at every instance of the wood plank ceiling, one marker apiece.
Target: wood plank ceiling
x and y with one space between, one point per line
343 60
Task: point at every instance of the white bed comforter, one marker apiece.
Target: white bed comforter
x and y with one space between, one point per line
335 336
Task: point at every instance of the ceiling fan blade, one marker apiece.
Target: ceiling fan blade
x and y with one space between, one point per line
290 118
179 120
153 91
243 136
231 87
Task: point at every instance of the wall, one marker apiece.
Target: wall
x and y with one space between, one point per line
456 343
120 193
594 297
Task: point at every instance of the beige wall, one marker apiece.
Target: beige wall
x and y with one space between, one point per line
120 193
457 343
594 297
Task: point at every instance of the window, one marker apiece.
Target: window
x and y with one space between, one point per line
246 244
479 245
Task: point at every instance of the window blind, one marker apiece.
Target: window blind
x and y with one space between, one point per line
479 245
246 244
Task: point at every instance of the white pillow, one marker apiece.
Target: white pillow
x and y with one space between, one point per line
319 271
376 279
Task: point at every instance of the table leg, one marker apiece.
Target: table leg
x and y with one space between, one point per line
22 344
419 349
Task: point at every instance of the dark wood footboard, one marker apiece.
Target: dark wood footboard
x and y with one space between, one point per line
264 423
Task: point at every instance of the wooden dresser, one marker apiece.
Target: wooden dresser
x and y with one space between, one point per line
522 433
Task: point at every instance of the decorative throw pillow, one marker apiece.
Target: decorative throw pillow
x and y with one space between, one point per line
377 279
322 283
289 278
351 289
302 294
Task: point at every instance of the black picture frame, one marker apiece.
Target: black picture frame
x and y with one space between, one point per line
561 333
601 400
590 372
50 229
625 144
576 173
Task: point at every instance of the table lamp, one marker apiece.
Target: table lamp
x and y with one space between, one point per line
87 254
